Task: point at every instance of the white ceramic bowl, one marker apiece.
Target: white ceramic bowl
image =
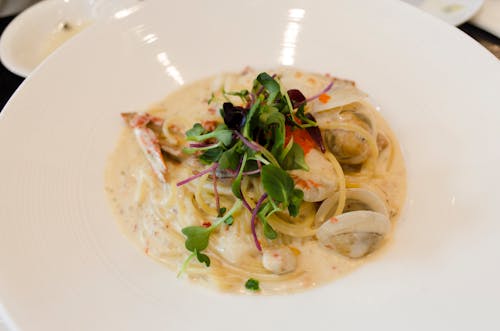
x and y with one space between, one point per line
66 266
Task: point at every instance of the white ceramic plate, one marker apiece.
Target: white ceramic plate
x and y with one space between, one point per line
64 265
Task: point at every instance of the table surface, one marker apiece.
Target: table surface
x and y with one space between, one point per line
8 81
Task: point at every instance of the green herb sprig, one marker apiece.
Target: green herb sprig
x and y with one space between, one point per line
252 285
197 237
250 142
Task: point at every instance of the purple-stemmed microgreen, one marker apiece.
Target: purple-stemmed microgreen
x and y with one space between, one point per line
251 142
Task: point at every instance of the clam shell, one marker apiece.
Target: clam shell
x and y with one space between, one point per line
370 200
354 234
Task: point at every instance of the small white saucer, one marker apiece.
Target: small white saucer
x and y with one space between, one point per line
488 18
39 30
455 12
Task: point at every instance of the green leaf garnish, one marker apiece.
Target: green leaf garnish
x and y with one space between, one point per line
243 94
272 120
296 200
197 237
236 186
230 158
252 284
305 121
221 133
202 258
211 155
250 122
224 135
212 98
270 85
229 220
195 131
269 231
277 183
294 159
222 210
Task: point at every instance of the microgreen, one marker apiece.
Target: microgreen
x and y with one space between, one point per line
271 119
296 199
243 94
197 237
212 98
221 133
236 186
268 230
271 86
294 159
280 187
212 155
277 183
234 116
252 284
196 130
246 131
229 159
251 141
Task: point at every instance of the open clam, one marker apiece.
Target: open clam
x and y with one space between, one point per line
347 146
356 199
361 227
354 234
346 130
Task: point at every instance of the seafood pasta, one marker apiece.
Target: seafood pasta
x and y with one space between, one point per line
253 182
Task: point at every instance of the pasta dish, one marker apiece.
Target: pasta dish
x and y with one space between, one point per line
252 182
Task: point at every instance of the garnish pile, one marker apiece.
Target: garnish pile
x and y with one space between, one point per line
263 138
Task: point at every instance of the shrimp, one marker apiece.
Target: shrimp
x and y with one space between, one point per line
148 140
320 181
279 260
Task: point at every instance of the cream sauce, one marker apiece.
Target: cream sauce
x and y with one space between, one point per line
152 214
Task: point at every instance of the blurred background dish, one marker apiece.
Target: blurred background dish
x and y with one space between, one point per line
488 17
454 12
39 30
